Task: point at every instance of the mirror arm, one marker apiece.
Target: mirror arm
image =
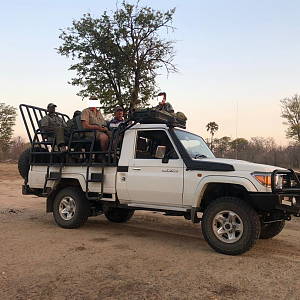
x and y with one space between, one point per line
165 160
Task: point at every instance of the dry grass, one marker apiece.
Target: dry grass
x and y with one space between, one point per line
9 171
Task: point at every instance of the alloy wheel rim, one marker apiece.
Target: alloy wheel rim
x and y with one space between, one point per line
228 226
67 208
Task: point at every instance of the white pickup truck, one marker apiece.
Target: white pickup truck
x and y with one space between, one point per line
158 166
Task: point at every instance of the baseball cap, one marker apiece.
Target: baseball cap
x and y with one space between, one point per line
119 108
50 105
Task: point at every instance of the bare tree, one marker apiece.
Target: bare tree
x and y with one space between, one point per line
16 147
290 110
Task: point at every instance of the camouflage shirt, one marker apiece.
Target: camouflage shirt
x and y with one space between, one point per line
165 107
53 121
93 118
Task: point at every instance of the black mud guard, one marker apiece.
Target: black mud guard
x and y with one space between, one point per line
194 216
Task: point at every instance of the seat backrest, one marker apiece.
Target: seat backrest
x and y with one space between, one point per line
32 115
142 149
78 123
141 145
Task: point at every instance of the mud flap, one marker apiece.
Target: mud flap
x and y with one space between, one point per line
194 216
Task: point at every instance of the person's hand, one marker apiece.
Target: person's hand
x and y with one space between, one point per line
104 129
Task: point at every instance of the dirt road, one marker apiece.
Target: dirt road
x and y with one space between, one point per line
150 257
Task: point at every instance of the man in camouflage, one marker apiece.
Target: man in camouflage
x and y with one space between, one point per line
52 122
163 105
91 118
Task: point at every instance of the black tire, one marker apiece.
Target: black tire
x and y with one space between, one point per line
76 212
119 216
269 230
23 163
230 226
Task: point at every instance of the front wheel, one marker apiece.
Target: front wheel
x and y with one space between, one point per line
119 216
71 208
269 230
230 225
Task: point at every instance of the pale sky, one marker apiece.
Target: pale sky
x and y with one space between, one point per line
233 56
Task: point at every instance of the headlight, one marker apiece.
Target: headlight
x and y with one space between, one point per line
279 181
265 179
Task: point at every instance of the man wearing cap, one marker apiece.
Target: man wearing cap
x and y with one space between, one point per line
91 118
118 119
162 104
52 122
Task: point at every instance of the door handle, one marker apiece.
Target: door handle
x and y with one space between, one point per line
138 169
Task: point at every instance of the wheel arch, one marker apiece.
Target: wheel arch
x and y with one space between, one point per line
64 182
213 187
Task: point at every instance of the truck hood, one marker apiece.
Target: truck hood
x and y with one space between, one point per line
242 165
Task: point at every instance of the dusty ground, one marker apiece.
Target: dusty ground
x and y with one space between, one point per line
150 257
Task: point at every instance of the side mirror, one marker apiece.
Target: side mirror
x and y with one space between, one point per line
160 152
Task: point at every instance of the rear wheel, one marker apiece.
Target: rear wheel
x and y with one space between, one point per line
119 216
230 226
269 230
71 208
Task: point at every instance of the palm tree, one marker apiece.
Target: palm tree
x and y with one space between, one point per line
212 127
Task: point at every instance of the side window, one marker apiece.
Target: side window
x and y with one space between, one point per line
148 141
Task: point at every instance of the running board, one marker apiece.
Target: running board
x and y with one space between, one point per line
159 207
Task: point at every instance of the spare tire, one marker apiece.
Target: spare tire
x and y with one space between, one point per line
23 163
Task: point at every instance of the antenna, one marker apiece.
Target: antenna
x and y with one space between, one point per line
236 129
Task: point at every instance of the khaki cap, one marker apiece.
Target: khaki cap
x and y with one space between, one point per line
50 105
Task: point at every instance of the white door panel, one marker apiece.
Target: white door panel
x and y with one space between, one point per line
151 181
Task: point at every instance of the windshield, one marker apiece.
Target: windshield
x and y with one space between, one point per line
194 145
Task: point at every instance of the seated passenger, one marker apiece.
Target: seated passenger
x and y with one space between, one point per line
162 104
72 123
52 122
91 118
118 119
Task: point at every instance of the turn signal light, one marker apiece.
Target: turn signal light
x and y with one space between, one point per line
264 179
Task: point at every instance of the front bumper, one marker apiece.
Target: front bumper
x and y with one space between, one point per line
285 199
266 202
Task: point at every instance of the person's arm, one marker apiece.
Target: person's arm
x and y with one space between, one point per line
45 125
87 125
64 124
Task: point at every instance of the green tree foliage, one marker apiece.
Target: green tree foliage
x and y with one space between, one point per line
239 143
117 57
222 144
212 127
290 110
7 121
